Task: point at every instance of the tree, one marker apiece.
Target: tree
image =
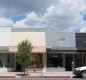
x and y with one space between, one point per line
24 55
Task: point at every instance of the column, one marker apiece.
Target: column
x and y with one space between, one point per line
63 60
82 59
44 62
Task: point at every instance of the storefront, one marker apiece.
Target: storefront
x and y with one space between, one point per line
52 50
37 40
7 60
9 40
64 60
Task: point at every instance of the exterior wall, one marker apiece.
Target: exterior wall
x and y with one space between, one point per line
81 40
36 38
10 38
58 45
60 39
4 36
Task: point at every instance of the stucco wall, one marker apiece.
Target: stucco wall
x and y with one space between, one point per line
4 36
59 39
36 38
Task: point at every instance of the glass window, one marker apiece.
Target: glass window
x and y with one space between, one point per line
12 60
78 60
4 59
7 60
84 59
37 61
54 60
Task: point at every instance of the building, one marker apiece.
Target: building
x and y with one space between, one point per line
53 51
10 38
65 48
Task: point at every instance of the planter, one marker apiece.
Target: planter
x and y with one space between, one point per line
4 69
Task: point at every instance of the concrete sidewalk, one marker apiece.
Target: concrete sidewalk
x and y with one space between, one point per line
36 75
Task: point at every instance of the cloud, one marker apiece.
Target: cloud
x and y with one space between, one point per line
31 20
6 22
83 29
64 15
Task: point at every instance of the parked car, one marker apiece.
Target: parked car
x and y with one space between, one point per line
80 71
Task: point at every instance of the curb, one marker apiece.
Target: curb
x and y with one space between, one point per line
34 76
7 76
45 76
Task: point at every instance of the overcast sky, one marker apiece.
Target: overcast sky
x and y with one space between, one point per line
62 15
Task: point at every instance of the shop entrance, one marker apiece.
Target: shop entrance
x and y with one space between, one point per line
68 62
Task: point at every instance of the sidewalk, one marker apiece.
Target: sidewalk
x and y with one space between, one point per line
36 75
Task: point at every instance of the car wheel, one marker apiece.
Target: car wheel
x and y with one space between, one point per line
83 74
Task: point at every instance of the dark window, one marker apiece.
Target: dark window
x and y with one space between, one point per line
54 60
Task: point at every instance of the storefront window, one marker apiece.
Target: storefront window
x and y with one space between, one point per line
54 60
84 59
37 63
78 60
7 60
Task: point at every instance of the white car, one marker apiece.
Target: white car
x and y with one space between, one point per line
80 71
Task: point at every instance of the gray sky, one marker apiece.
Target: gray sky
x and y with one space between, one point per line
16 7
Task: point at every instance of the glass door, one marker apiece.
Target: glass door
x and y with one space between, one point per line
68 62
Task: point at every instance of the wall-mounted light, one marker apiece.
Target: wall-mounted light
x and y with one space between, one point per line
61 40
55 56
84 41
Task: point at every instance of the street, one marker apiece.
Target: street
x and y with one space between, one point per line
45 79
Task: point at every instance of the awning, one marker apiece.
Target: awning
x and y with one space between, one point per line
36 49
63 48
4 49
81 48
61 51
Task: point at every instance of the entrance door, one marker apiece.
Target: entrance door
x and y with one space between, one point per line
69 60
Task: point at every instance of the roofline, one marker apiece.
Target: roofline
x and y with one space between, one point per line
27 29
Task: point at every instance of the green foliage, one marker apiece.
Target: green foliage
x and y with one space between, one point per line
24 55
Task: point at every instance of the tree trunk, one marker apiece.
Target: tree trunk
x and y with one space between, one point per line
24 70
21 69
27 70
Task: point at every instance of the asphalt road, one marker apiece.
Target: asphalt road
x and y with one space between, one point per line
45 79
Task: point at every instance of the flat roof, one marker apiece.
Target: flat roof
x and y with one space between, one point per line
5 29
27 29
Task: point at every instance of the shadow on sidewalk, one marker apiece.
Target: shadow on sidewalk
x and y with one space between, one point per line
23 74
76 77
